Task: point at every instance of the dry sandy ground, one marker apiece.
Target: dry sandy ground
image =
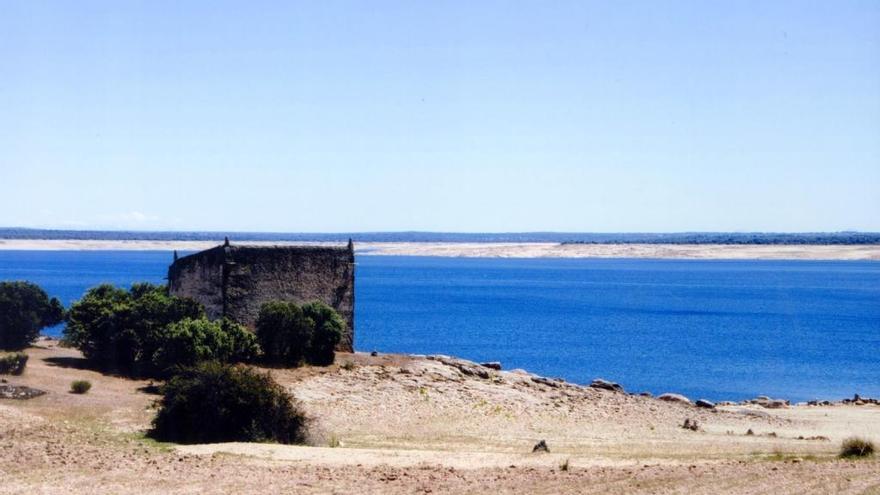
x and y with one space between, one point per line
503 250
414 425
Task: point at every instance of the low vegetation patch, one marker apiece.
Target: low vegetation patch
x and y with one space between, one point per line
147 332
855 447
189 341
25 309
13 363
291 335
215 402
80 386
120 330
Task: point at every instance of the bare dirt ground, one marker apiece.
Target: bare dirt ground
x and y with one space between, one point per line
403 424
501 250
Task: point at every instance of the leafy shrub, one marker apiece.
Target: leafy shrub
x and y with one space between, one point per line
290 334
13 364
327 327
25 309
80 386
856 447
214 402
283 333
121 330
189 342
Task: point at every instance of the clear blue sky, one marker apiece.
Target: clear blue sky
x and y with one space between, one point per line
327 116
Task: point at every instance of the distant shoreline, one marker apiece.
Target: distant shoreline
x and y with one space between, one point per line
853 238
497 249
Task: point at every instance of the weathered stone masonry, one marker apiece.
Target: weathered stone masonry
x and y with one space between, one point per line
235 280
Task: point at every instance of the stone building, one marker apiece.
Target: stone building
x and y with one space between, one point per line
235 280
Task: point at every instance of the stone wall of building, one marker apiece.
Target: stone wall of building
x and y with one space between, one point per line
235 280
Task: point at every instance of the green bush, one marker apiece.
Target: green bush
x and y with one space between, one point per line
25 309
189 342
856 447
121 330
215 402
327 327
283 333
80 386
13 364
291 335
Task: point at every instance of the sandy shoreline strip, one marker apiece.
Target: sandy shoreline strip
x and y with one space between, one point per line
497 250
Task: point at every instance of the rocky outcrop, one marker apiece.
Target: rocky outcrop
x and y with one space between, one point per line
468 368
767 402
19 392
606 385
674 398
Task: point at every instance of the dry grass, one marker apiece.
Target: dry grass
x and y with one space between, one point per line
469 436
855 447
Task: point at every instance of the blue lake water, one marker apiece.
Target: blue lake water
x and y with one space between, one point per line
714 329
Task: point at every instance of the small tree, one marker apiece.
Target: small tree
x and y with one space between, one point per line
13 363
215 402
284 333
25 309
121 330
327 327
190 341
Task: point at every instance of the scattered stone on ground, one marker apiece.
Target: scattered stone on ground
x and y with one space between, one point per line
468 368
767 402
705 404
19 392
606 385
689 424
541 447
668 397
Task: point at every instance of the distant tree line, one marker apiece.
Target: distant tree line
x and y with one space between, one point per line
757 238
561 237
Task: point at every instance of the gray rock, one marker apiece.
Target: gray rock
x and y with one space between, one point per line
493 365
546 381
19 392
705 404
606 385
465 367
674 398
540 447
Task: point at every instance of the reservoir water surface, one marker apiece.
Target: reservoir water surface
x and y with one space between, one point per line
715 329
